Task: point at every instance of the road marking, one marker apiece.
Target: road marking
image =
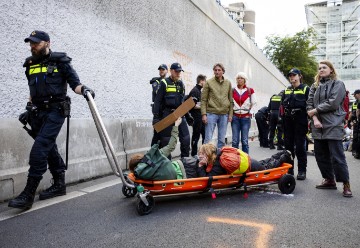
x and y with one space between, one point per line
264 229
42 204
101 186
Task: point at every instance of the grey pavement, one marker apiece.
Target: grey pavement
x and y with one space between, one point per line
96 214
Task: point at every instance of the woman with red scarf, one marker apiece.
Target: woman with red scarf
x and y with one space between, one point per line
244 100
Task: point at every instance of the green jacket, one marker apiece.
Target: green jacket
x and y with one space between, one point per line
216 97
163 168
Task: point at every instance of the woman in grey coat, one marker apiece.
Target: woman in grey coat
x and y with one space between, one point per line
324 107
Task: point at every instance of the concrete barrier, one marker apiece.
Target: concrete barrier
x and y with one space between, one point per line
87 158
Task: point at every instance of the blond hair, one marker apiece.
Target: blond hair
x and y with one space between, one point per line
333 74
210 151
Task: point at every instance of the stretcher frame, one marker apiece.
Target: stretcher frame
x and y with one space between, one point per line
145 190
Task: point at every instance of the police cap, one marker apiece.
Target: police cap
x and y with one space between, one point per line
294 71
176 67
38 36
356 92
163 66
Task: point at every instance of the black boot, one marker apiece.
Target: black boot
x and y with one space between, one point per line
271 146
26 198
57 189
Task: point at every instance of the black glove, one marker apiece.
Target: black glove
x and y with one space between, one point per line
85 89
189 119
24 117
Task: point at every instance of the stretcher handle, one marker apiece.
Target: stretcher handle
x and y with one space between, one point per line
106 142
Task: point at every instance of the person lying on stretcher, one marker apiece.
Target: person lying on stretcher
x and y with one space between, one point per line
155 165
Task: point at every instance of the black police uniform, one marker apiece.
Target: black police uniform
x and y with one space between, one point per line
155 84
355 128
261 118
170 95
47 81
198 126
274 122
296 123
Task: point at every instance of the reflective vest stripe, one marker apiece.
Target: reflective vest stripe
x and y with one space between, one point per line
35 69
297 91
169 88
354 106
244 163
276 98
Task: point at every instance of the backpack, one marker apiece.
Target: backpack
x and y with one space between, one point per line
234 160
346 102
155 166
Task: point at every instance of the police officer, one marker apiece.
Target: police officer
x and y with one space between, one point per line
295 120
47 73
155 83
170 95
354 119
274 122
261 118
198 125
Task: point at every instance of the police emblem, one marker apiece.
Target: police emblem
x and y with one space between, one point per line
33 33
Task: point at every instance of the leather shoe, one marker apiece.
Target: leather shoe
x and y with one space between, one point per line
271 147
347 191
301 175
327 184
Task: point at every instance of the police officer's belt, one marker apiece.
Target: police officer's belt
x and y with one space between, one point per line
50 105
289 112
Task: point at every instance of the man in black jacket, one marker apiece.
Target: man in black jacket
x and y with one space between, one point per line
48 74
155 83
261 118
198 126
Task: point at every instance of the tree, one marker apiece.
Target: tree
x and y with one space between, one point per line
293 51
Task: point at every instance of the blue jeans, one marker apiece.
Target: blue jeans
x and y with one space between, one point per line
221 122
240 125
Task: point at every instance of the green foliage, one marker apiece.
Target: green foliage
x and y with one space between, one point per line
293 51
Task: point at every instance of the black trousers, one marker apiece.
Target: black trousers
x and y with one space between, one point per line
46 124
356 139
273 125
198 129
184 137
295 129
263 128
330 158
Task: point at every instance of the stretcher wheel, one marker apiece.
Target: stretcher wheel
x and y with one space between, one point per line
128 192
142 209
287 184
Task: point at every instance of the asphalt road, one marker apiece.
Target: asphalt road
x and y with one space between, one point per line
96 214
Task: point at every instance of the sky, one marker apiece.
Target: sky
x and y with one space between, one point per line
279 17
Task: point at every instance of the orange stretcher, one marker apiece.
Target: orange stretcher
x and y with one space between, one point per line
286 184
145 190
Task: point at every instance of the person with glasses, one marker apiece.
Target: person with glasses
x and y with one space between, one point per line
48 74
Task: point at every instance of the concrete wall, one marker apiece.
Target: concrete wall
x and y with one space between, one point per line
116 48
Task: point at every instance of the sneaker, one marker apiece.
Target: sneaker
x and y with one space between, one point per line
327 184
301 175
347 191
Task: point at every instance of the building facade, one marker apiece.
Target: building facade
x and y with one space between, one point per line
243 16
336 24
